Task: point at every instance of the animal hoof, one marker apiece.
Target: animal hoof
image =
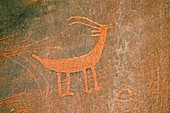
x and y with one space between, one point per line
70 93
88 90
97 88
61 94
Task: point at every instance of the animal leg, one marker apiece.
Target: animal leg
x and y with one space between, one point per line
60 93
68 84
97 87
85 83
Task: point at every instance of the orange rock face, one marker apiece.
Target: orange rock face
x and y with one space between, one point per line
98 56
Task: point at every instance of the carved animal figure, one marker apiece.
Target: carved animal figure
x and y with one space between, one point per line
80 63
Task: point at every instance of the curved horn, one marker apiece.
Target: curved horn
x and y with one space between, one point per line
80 17
83 24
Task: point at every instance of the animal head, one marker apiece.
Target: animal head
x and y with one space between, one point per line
98 28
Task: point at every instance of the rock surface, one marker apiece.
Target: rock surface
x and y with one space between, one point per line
133 70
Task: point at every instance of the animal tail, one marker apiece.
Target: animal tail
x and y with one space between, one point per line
37 57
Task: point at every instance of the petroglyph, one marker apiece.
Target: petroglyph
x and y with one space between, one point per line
80 63
127 100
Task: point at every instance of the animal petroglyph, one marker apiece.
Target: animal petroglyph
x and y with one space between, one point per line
126 100
80 63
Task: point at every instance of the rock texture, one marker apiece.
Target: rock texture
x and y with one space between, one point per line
133 71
